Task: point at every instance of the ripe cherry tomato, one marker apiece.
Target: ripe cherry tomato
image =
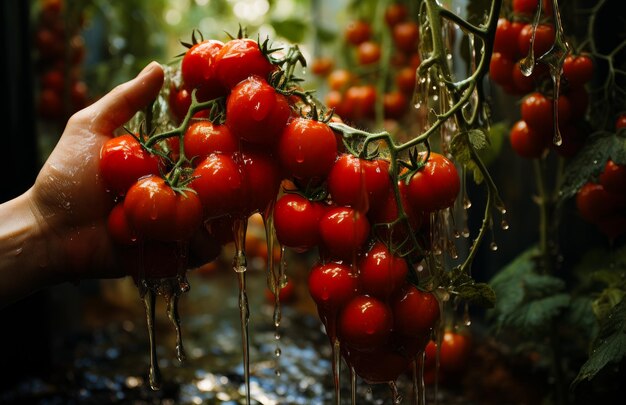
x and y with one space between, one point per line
358 32
381 273
198 69
620 122
154 210
368 52
538 111
260 181
544 39
406 80
435 186
396 13
238 59
307 149
339 79
595 204
613 177
506 39
454 352
406 36
343 231
501 70
357 182
331 285
123 161
415 312
578 69
378 366
256 112
395 105
526 7
218 182
359 101
203 138
118 227
527 142
365 323
296 222
322 66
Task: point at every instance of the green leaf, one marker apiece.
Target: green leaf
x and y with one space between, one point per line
478 138
580 315
527 300
536 314
608 347
460 149
293 30
480 294
589 162
497 134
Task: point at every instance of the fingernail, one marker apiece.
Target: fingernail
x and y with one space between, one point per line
148 68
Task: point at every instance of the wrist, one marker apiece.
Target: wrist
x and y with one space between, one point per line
26 261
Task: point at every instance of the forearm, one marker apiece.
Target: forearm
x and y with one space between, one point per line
25 254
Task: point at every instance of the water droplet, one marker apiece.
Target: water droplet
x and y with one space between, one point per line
278 352
493 246
504 225
466 233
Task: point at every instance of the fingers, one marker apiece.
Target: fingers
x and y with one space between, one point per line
119 105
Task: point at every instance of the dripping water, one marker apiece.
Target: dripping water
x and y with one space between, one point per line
336 349
419 388
353 385
154 375
240 268
171 300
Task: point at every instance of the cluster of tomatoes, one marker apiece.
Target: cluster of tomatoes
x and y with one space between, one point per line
603 202
60 53
359 282
353 92
534 133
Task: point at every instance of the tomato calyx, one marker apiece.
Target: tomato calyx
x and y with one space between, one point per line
194 40
417 161
311 191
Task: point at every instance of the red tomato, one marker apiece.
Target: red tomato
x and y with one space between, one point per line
339 79
260 181
522 83
395 105
435 186
544 39
406 36
156 259
538 111
286 294
256 112
454 352
620 122
154 210
322 66
343 231
365 323
123 161
415 312
218 182
359 101
331 285
527 142
221 229
50 105
203 138
118 227
239 59
406 79
526 7
368 52
378 366
595 204
358 32
296 220
396 13
506 39
381 273
613 226
307 149
501 69
613 177
359 183
578 69
198 69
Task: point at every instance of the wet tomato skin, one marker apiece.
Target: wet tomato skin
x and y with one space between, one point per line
296 222
123 161
435 186
343 232
365 323
154 210
381 273
239 59
407 304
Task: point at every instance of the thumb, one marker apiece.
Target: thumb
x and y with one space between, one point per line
120 104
